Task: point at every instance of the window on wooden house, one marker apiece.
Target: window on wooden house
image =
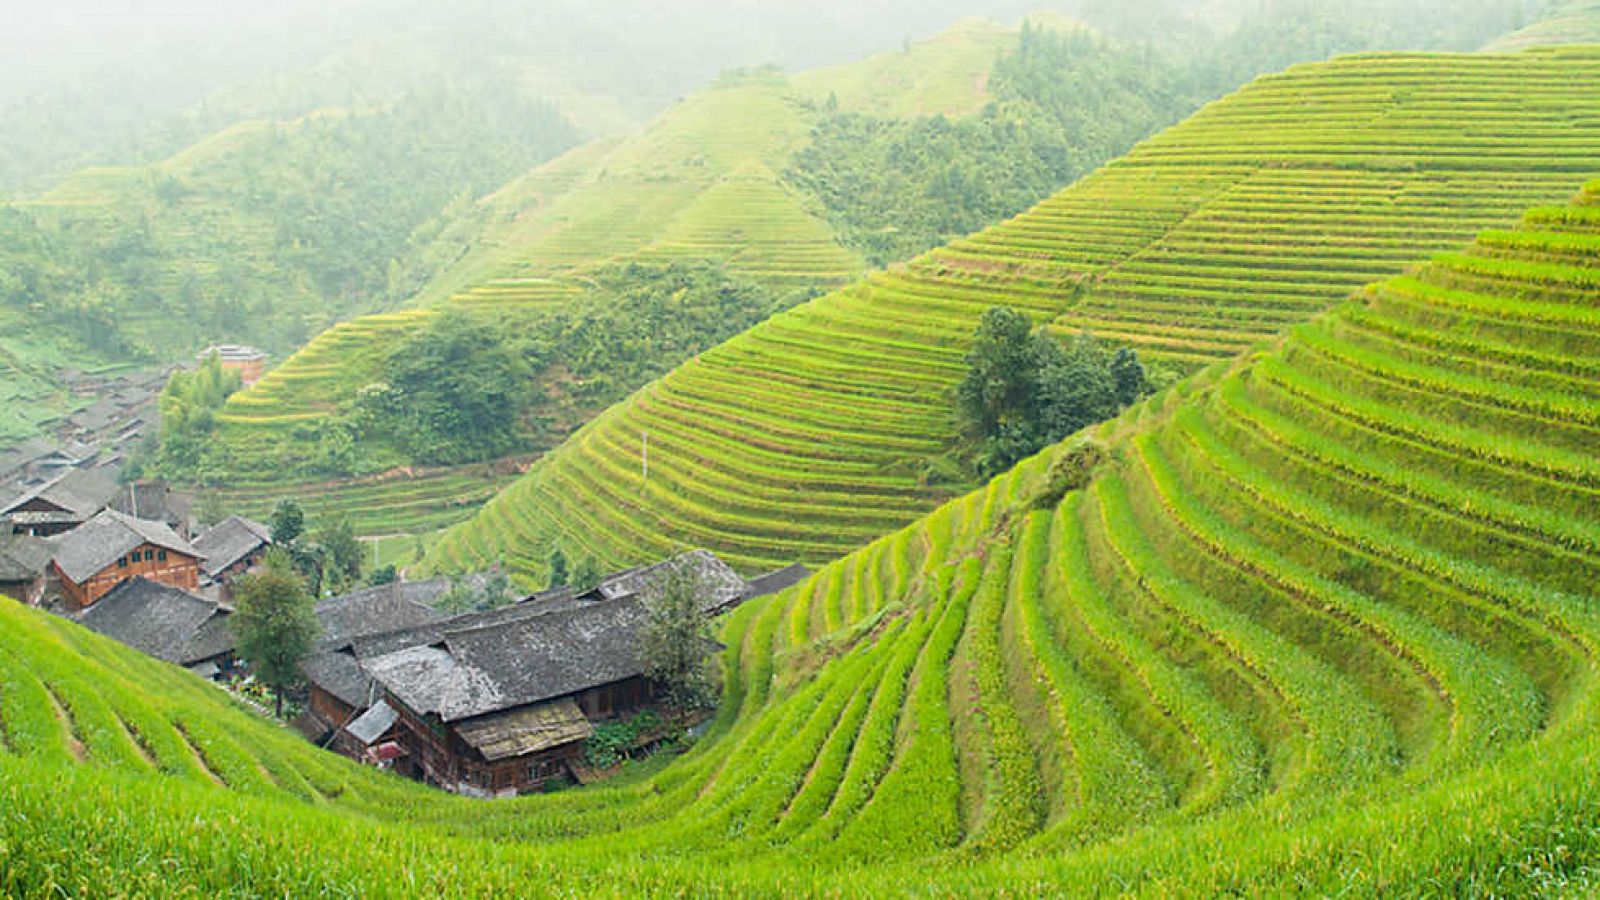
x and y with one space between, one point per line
161 555
541 769
149 555
122 562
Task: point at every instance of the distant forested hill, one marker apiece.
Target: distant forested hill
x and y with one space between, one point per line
266 232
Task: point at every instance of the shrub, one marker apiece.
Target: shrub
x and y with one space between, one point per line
1071 470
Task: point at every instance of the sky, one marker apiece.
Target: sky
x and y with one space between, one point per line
43 42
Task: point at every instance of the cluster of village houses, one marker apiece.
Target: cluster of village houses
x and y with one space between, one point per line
118 412
489 703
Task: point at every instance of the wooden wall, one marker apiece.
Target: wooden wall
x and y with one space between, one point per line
178 570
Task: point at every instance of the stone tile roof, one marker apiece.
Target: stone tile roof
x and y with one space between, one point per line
230 541
529 730
782 579
161 621
724 586
338 673
550 646
23 557
354 617
80 492
373 724
488 669
375 610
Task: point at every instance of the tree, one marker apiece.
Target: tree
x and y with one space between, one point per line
336 449
382 575
341 552
558 568
457 390
460 598
1129 375
275 624
1024 391
311 562
586 574
288 522
188 404
211 510
999 383
675 641
1076 389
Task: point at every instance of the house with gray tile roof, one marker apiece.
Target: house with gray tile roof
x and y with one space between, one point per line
232 547
499 702
167 623
60 504
24 561
111 548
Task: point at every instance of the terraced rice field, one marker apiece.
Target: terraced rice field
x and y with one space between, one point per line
403 502
803 438
699 184
1325 622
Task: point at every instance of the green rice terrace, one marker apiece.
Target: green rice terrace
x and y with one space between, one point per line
1321 620
701 183
814 433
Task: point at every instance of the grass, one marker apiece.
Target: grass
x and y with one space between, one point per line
1271 648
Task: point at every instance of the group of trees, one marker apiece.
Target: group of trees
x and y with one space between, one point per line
581 575
189 405
675 641
328 561
470 388
453 393
1024 390
275 623
278 231
1063 104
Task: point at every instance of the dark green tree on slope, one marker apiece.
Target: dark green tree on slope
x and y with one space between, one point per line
275 625
1024 391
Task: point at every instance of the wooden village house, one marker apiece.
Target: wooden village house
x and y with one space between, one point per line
231 548
339 690
498 703
249 362
24 562
111 548
60 504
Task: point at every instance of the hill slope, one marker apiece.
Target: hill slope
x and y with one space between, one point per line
1576 22
1342 588
805 437
706 184
263 233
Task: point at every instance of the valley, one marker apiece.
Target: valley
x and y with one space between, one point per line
1145 449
